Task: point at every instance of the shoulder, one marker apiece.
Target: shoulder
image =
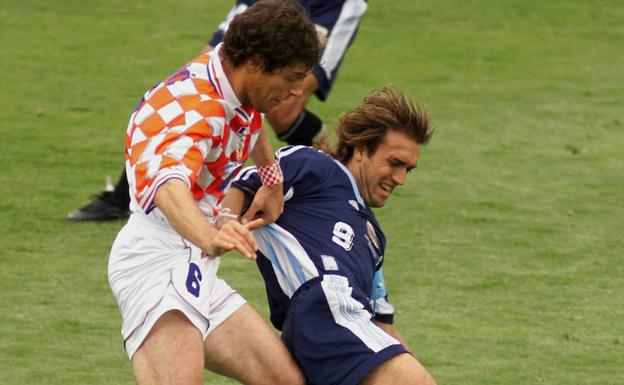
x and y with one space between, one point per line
306 160
303 153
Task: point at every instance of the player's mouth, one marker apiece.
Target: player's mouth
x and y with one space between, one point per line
386 188
279 100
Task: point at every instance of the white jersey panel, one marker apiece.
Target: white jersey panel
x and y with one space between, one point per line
290 261
350 313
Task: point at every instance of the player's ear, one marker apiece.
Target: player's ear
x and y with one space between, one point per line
254 64
358 153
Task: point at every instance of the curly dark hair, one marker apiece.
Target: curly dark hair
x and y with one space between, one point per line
274 33
383 110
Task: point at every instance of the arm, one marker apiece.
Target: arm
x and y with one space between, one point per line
176 202
236 201
268 203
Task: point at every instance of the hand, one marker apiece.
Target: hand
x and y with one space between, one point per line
234 236
268 204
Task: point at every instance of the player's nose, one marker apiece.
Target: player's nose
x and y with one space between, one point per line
399 176
297 88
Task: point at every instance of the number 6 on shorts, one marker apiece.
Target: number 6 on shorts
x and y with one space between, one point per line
193 279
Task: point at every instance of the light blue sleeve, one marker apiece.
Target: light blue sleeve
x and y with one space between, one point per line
384 311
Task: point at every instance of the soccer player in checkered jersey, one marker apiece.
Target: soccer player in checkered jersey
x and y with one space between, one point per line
336 22
322 259
186 140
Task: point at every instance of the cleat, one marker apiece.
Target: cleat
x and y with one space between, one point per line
104 207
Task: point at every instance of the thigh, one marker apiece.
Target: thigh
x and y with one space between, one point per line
245 348
402 369
172 353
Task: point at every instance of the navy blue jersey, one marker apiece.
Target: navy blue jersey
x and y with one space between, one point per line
326 228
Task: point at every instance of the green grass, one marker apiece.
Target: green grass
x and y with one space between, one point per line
505 246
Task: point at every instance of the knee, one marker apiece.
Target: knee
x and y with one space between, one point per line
401 369
291 375
294 378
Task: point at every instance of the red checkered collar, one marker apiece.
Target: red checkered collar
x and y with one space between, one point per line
218 79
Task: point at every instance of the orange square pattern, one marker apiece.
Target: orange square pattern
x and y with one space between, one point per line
171 135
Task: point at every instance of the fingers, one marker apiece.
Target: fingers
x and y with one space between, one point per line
268 204
256 223
270 216
250 214
235 236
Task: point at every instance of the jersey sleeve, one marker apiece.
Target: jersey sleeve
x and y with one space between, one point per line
383 311
299 165
175 153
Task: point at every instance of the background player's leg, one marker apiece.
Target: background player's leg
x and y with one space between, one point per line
171 354
283 115
402 369
122 191
245 348
294 124
110 204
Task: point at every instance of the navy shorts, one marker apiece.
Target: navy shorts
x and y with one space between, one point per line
337 23
331 335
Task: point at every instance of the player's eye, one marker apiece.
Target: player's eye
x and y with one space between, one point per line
395 163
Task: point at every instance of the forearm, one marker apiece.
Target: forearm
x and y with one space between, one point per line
236 200
176 202
262 153
268 203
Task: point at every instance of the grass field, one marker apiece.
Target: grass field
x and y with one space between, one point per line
505 246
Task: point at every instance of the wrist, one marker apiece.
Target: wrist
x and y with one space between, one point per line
225 215
209 233
271 175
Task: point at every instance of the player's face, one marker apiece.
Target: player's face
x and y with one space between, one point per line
266 90
380 173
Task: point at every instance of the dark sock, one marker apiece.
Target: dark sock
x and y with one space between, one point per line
303 130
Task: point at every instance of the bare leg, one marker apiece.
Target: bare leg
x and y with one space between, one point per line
402 369
245 348
172 353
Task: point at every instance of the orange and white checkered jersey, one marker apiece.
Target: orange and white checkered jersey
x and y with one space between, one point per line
191 127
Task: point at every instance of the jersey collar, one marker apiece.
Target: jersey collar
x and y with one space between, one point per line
218 79
356 191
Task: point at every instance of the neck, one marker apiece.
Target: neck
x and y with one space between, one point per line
351 165
236 77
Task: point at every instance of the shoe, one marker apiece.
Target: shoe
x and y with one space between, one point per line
321 141
104 207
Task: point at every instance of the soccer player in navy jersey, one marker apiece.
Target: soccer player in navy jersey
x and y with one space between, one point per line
321 260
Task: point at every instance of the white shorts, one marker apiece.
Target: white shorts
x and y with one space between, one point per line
152 270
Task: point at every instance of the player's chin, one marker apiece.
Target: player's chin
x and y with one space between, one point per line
381 197
267 106
377 202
